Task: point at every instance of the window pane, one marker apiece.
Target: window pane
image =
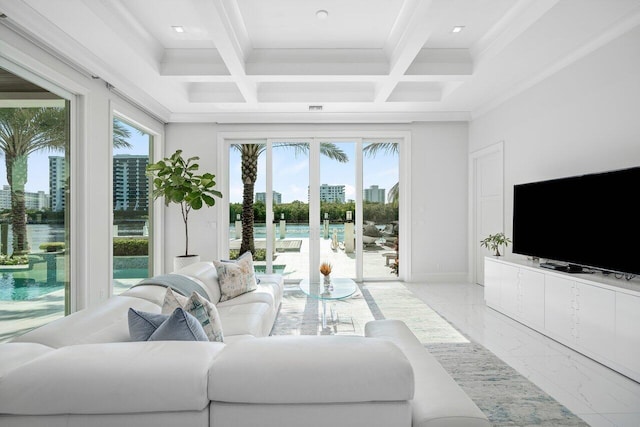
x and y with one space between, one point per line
132 236
291 209
381 179
338 205
247 215
34 200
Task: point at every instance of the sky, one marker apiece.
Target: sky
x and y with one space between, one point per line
291 173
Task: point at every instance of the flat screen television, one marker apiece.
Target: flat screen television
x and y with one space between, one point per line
581 221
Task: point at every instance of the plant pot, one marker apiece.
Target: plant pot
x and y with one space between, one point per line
182 261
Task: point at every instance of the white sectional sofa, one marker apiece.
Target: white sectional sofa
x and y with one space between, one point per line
83 370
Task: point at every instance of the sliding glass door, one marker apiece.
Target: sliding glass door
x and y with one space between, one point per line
298 202
35 285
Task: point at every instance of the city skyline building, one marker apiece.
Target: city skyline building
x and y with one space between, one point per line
57 173
330 193
374 194
130 182
261 196
32 201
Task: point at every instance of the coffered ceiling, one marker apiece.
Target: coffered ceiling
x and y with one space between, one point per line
366 61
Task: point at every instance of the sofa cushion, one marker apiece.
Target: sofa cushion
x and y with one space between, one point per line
142 324
151 293
13 355
236 277
285 369
180 326
247 319
114 378
205 272
200 308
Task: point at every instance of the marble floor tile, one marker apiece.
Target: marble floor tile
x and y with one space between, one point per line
601 396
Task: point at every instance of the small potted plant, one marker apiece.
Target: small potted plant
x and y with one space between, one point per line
494 241
175 179
325 269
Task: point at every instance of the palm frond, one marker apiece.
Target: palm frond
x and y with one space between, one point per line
374 148
333 152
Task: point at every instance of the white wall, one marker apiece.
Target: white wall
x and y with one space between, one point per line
582 119
438 191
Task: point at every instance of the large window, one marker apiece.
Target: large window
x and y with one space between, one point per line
298 202
132 216
34 206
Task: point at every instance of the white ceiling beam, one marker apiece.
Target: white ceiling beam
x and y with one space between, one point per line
328 62
230 48
514 23
322 117
192 62
311 93
408 45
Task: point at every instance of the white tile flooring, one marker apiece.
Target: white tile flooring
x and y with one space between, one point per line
597 394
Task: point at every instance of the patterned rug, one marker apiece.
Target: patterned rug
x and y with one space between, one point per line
505 396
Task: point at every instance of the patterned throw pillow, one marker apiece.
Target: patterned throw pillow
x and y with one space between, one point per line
236 277
198 307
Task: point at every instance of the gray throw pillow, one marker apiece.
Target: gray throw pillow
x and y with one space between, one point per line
180 326
143 324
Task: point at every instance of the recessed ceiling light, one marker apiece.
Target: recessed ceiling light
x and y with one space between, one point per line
457 29
322 14
315 107
178 28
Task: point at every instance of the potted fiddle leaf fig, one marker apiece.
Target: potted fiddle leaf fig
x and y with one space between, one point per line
175 179
495 241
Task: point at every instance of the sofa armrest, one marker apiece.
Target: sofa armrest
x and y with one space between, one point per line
438 400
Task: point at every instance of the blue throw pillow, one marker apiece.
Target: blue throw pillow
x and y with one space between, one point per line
180 326
143 324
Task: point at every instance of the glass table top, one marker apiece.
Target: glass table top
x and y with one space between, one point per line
339 289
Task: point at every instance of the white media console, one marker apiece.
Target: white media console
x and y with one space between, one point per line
596 315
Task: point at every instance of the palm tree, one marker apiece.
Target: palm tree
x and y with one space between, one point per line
249 154
22 132
388 148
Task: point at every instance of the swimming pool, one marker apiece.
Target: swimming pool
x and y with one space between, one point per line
23 289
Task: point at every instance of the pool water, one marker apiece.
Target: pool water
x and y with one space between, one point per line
278 269
20 289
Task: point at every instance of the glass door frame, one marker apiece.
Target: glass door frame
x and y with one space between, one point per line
314 138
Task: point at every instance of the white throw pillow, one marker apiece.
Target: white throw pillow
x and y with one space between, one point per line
236 277
198 307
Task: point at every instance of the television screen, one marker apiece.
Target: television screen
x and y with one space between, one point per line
588 220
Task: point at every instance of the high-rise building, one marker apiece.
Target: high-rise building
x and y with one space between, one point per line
57 183
331 193
374 194
262 197
130 182
32 201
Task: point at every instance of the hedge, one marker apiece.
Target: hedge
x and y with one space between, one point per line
130 246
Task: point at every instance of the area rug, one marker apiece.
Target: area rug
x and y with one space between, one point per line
505 396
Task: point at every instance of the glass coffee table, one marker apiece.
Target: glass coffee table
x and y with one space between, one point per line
338 290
